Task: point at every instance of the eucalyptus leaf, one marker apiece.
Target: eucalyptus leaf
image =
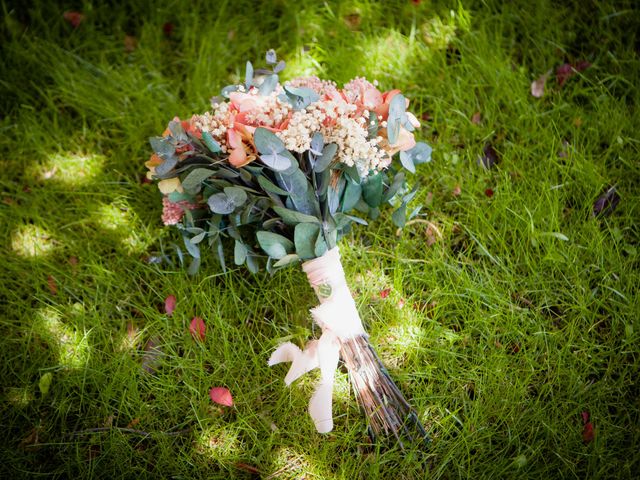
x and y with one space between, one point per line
271 57
194 266
191 183
268 186
198 238
305 235
252 264
407 162
211 144
351 196
274 245
163 147
267 142
268 85
193 250
328 153
320 248
287 260
399 217
220 203
396 110
239 253
236 195
276 161
227 90
317 143
372 190
291 217
396 185
271 223
248 76
279 67
166 166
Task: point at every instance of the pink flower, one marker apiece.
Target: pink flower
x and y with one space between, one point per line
172 212
363 93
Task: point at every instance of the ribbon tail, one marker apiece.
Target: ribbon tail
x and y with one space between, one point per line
321 404
301 361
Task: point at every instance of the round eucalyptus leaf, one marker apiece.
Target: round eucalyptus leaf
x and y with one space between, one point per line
220 203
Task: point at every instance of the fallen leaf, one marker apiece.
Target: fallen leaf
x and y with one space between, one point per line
353 20
167 29
53 286
585 417
606 203
588 433
489 157
537 86
133 423
247 468
457 191
221 396
130 44
30 439
8 201
385 293
488 192
198 329
170 304
476 118
73 18
567 70
577 121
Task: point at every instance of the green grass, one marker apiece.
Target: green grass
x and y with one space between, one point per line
521 315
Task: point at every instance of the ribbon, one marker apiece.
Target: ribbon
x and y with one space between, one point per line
339 319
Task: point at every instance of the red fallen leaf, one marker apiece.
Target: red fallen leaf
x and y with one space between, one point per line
476 118
170 304
221 396
567 70
585 417
588 434
488 192
489 156
606 203
167 29
74 18
198 329
53 287
385 293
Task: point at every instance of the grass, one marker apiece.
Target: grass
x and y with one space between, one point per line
520 309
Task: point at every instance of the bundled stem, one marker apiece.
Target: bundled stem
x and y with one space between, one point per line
385 406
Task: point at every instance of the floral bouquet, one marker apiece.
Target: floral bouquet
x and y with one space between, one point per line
279 173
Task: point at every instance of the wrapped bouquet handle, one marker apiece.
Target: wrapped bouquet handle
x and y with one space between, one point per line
282 172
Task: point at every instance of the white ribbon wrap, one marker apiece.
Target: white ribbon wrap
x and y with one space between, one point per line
339 319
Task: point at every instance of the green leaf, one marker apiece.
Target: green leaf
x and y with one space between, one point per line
192 181
220 203
291 217
268 85
269 224
352 173
45 383
407 162
399 217
320 248
239 253
248 76
211 143
274 245
267 142
268 186
252 264
396 111
351 196
328 153
287 260
372 190
305 235
236 195
397 183
194 266
198 238
276 161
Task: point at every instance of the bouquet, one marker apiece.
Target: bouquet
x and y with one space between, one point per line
278 174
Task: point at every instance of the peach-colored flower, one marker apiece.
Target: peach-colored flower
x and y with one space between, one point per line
240 142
